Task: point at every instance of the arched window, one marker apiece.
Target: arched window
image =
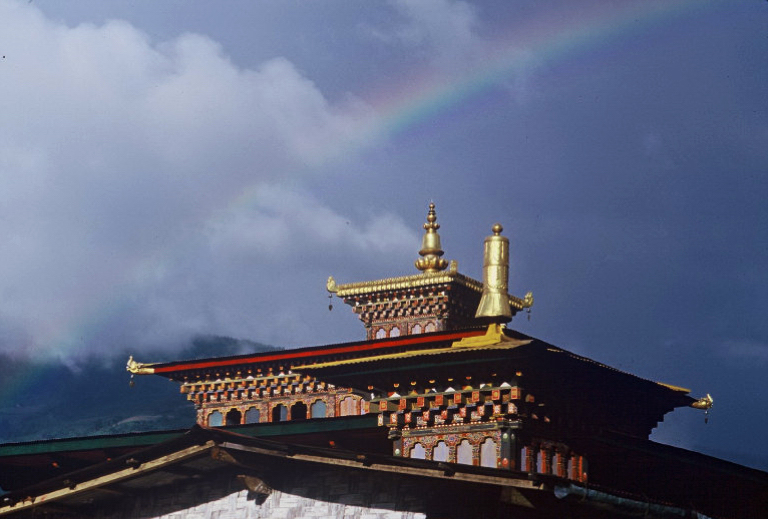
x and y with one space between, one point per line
381 333
279 413
416 329
348 406
525 459
418 451
464 453
394 332
252 415
317 409
488 456
430 327
234 417
299 411
440 452
215 419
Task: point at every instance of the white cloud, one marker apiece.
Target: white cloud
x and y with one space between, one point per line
441 33
122 161
446 27
446 39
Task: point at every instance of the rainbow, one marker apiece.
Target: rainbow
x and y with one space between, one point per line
584 31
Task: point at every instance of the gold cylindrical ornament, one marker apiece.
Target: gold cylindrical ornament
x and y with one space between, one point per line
494 303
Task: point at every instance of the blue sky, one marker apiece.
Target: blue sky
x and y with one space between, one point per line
175 168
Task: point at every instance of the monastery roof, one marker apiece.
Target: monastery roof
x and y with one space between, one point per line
24 463
364 363
186 458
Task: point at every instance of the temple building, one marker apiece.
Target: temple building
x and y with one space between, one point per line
440 411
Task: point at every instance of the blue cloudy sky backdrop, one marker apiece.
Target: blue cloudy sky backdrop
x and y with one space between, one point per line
178 168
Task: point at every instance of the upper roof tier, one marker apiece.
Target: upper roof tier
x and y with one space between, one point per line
439 297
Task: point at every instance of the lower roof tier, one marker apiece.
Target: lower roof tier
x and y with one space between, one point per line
571 388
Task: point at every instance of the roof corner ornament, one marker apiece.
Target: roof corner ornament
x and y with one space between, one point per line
706 404
138 368
431 251
528 300
330 285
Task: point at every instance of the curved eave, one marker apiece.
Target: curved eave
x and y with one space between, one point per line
543 365
290 358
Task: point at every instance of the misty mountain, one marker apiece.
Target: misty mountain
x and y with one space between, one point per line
44 400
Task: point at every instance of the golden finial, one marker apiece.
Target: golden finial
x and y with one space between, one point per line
430 252
494 303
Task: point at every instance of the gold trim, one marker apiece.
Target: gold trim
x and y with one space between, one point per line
674 388
404 282
361 288
490 341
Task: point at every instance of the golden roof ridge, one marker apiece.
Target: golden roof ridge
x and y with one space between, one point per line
403 282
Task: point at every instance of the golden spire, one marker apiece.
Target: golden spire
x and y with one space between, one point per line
430 252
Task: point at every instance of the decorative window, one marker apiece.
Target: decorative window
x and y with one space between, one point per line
381 333
234 417
440 452
299 411
394 332
488 456
252 415
317 409
464 453
215 419
418 451
430 327
349 406
526 457
416 329
279 413
540 461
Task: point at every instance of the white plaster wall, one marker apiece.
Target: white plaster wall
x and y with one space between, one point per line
281 506
340 496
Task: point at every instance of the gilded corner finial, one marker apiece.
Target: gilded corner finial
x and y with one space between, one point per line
138 368
330 285
704 403
431 250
